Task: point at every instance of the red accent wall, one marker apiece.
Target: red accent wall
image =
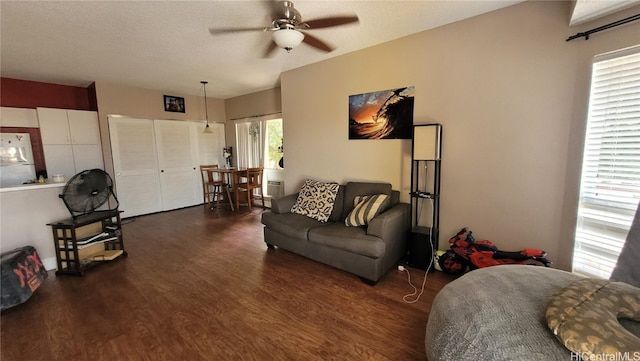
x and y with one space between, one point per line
18 93
32 94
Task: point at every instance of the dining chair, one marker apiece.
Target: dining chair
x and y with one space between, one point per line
213 186
250 180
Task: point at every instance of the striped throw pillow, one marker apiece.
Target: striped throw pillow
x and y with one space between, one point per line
366 208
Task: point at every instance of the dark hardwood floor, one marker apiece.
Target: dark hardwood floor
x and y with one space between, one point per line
201 285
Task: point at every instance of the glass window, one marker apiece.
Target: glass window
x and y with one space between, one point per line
610 184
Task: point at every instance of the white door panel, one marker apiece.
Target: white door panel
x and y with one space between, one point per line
210 145
175 159
135 165
156 162
138 194
208 150
178 189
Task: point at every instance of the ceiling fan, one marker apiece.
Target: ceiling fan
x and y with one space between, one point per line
287 28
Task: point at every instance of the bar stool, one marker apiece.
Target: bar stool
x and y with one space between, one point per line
213 187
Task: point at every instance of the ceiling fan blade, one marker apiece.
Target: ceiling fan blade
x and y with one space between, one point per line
317 43
270 50
331 21
215 31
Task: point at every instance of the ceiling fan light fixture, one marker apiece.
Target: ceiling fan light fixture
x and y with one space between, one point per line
287 38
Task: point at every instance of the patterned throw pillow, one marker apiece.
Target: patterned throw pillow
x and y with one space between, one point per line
366 208
584 317
316 200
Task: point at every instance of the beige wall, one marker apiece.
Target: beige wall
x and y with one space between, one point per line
145 103
258 103
512 97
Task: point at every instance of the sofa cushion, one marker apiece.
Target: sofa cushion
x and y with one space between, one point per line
336 214
316 200
290 224
354 189
395 198
351 239
366 207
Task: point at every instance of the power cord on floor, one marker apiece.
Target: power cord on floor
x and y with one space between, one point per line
406 298
415 293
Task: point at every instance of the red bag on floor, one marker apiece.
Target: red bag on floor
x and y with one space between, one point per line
22 271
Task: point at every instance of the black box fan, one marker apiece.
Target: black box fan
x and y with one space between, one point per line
87 191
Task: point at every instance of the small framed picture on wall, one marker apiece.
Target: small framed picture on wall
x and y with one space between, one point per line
173 104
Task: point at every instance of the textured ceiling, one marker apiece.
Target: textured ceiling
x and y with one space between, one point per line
587 10
166 45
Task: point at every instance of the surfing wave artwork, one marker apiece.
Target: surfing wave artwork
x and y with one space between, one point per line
386 114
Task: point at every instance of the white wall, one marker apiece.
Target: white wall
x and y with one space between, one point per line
512 97
24 217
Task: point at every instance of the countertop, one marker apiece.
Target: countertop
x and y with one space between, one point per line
32 186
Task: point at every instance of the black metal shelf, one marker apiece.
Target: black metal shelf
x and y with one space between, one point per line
426 167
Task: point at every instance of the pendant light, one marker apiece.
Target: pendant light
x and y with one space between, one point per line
207 129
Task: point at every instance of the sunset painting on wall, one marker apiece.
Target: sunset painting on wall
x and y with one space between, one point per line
386 114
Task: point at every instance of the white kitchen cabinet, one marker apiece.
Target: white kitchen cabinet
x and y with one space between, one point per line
83 127
87 156
156 162
59 158
71 140
54 126
18 117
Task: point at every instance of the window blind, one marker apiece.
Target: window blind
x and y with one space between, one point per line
610 183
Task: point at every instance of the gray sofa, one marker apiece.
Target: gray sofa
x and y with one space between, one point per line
368 251
498 313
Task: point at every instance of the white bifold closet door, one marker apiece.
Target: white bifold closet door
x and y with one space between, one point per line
179 174
135 163
156 162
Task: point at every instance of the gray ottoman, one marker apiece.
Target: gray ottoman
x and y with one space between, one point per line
496 313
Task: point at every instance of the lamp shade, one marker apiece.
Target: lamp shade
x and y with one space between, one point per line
287 38
426 142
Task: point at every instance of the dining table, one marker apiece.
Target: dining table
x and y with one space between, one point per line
231 177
